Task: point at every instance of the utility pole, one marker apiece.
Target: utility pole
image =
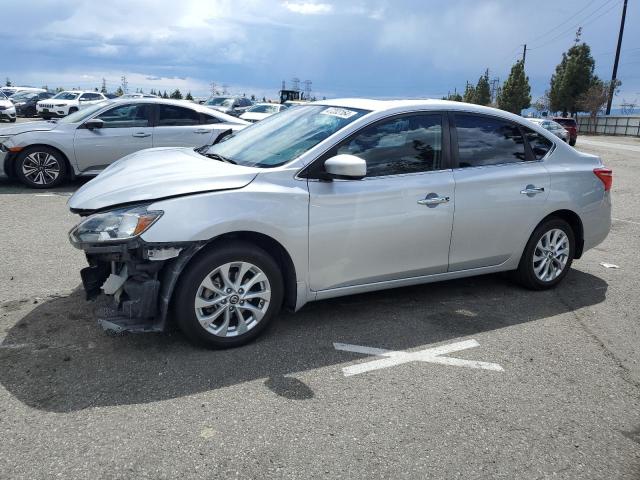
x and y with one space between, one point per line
524 53
612 87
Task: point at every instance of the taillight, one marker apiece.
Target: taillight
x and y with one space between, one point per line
606 177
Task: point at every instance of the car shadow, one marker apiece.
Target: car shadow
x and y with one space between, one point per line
10 186
57 359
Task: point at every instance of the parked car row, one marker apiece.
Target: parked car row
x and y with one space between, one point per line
564 128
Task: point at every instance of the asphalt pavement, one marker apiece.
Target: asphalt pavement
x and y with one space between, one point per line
547 384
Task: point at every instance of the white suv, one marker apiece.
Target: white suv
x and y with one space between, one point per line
67 102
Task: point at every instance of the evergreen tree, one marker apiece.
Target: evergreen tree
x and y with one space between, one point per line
8 82
572 79
516 92
119 92
482 95
189 96
176 94
469 94
164 95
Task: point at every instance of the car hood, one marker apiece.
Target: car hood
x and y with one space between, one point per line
38 126
254 116
59 101
6 103
158 173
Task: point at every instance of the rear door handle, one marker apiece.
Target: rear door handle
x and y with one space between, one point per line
532 190
432 201
202 130
141 135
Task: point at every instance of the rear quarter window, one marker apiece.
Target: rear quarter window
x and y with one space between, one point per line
540 145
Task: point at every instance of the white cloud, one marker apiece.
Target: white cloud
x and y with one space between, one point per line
307 8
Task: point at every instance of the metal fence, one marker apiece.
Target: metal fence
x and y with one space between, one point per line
603 125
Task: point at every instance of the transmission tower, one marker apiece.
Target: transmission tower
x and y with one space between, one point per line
307 89
628 107
225 89
295 84
495 85
125 84
213 89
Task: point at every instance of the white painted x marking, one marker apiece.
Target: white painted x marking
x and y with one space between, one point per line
391 358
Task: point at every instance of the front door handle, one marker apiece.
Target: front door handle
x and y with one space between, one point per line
532 190
201 130
433 200
141 135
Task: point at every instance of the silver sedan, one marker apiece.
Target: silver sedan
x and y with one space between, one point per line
328 199
554 127
42 154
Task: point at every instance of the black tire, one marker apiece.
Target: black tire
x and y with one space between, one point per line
72 110
189 285
525 274
12 120
24 160
572 142
46 117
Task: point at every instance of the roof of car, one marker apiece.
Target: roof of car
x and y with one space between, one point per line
430 104
181 103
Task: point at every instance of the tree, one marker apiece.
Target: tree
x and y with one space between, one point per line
189 96
253 97
469 94
516 92
176 94
454 97
482 95
119 92
572 78
8 82
103 89
164 95
595 98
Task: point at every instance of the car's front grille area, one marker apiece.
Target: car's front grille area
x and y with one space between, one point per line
46 105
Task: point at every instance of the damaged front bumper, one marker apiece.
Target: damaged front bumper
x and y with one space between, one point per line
133 282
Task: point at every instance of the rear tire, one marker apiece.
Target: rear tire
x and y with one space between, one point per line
572 142
547 258
228 296
40 167
12 120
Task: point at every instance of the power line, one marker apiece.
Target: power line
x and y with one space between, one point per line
580 24
564 22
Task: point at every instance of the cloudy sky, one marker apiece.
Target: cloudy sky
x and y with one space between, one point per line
374 48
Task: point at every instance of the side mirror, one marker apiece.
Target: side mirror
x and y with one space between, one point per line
93 123
346 167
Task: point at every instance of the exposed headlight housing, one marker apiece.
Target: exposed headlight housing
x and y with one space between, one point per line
114 226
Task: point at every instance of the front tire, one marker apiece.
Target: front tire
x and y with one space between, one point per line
228 295
40 167
547 258
12 120
572 142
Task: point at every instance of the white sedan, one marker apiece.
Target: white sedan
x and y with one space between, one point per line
260 111
42 154
554 127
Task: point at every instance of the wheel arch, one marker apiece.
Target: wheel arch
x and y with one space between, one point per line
268 244
70 172
574 220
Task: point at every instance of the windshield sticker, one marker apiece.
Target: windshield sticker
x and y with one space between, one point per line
339 112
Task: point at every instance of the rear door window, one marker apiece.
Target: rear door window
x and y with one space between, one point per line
540 145
485 140
174 116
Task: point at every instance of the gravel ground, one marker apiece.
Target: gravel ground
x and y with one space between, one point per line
75 403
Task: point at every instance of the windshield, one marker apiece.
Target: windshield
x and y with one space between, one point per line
220 101
3 96
281 138
264 109
67 96
81 115
23 95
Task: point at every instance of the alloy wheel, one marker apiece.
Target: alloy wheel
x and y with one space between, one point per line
232 299
41 168
551 255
